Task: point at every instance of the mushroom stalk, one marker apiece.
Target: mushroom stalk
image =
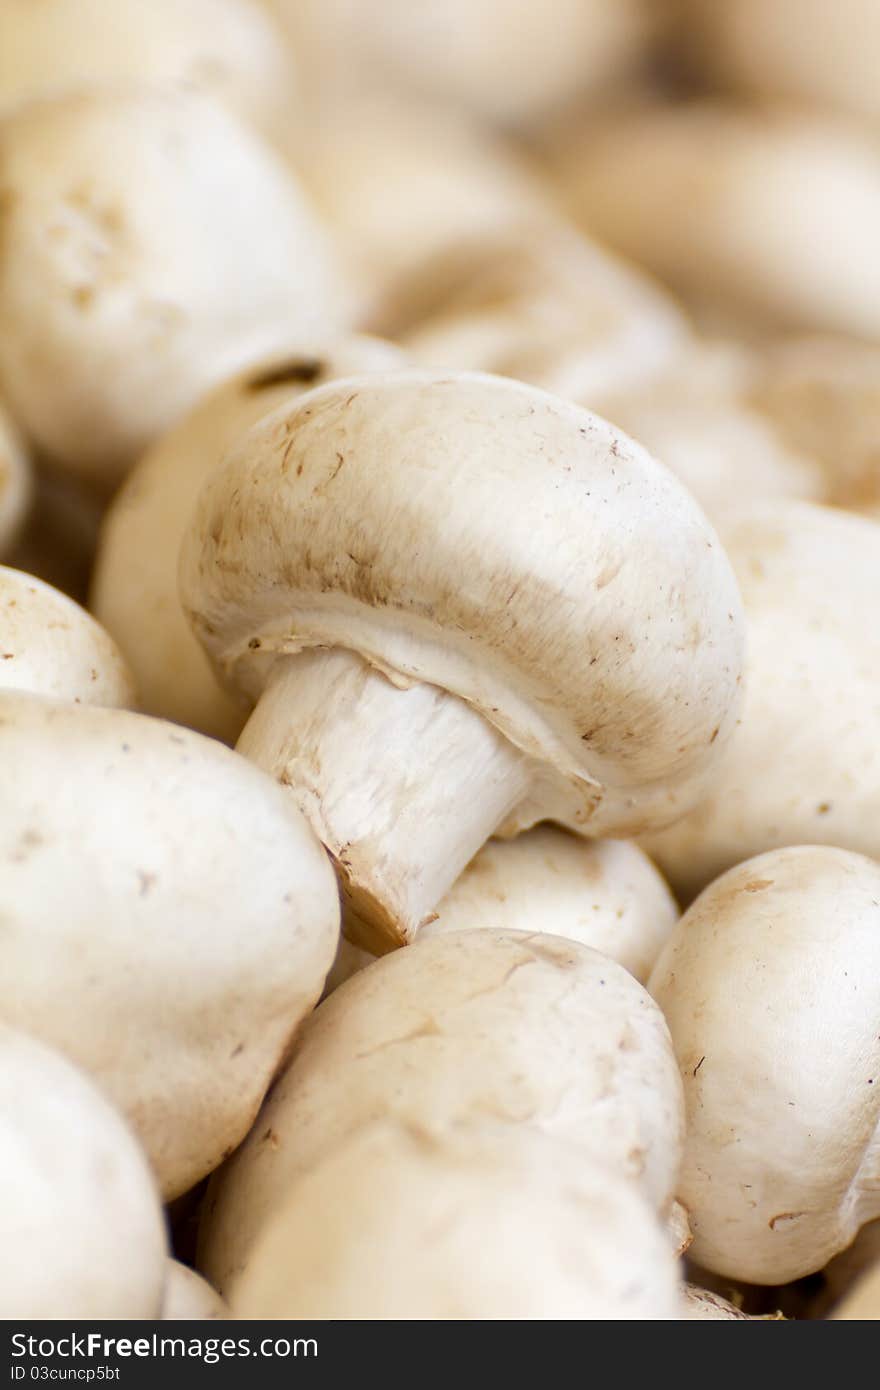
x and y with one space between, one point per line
403 786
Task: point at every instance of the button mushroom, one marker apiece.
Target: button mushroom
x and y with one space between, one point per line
149 247
396 1224
464 1031
15 483
83 1231
606 894
803 767
134 584
51 646
189 1297
462 604
770 985
701 1305
171 939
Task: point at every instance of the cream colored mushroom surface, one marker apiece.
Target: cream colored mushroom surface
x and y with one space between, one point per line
134 584
822 395
603 893
15 483
229 48
810 50
469 1030
51 646
863 1303
804 764
772 212
396 1224
168 919
701 1305
501 60
463 605
82 1227
189 1297
770 985
149 247
545 306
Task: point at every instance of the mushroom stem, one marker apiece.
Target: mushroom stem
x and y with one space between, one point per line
402 786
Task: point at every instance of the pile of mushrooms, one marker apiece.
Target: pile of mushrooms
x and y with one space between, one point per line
439 660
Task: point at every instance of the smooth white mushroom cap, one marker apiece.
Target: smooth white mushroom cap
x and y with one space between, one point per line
803 766
773 212
605 894
704 1306
51 646
487 538
398 1224
171 939
150 247
189 1297
228 48
471 1029
770 985
134 583
83 1229
15 483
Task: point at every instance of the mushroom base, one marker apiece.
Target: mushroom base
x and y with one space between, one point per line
402 786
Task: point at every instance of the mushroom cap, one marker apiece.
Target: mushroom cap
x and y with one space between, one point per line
188 920
51 646
471 1029
150 247
189 1297
704 1306
83 1230
134 583
397 1224
803 766
15 482
483 536
229 48
605 894
770 985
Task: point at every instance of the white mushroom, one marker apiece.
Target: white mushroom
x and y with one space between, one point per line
15 483
397 1224
544 305
470 1030
804 764
463 605
82 1228
603 893
189 1297
134 584
773 212
51 646
168 919
705 1306
770 985
228 48
149 247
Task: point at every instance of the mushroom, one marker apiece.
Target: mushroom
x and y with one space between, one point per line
51 646
398 1224
134 584
822 395
804 764
462 605
552 309
228 48
770 985
149 248
168 919
805 49
603 893
500 60
704 1306
15 483
781 209
466 1031
189 1297
83 1230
